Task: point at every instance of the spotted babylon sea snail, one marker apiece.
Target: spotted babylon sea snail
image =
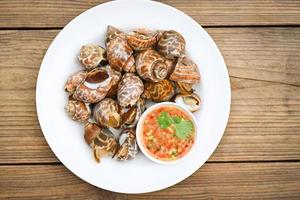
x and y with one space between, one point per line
78 111
160 91
184 88
101 140
129 90
106 113
142 39
131 116
74 80
92 56
128 148
119 53
151 66
186 71
112 32
171 44
190 101
95 86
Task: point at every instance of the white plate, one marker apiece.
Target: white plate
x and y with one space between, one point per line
65 137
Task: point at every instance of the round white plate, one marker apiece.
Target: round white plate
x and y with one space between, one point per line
65 137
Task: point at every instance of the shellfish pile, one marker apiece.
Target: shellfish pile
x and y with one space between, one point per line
111 90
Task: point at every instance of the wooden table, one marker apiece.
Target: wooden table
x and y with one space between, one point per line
259 154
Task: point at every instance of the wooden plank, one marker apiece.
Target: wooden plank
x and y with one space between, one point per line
264 124
212 181
57 13
269 54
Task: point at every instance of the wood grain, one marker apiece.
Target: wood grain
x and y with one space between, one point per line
265 116
264 124
57 13
269 54
212 181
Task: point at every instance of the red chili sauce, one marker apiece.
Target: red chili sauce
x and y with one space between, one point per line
163 143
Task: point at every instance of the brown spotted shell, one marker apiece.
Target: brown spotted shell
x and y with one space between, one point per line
119 55
112 32
106 113
142 39
186 71
171 63
74 80
190 101
78 111
184 88
129 90
95 87
116 77
92 56
131 116
101 140
128 148
151 66
171 44
161 91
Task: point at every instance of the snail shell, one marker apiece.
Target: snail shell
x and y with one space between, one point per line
131 117
190 101
101 140
92 56
116 77
151 66
128 148
106 113
130 89
171 63
74 80
142 39
95 87
184 88
186 71
78 110
112 32
119 55
171 44
161 91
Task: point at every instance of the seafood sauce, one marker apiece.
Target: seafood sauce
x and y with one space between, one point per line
168 133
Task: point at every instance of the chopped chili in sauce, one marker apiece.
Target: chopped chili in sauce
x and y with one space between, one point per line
163 144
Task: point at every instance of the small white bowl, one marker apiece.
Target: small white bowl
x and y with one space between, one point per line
140 126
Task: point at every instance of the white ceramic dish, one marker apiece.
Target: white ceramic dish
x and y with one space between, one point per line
139 129
65 137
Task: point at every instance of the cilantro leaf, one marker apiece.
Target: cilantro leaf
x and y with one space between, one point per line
177 119
164 120
183 129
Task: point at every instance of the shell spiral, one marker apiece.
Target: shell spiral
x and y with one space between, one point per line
78 110
91 56
151 66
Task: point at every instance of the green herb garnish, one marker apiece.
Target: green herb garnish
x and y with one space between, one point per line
182 127
164 120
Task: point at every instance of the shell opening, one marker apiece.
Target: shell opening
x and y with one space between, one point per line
97 77
190 101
